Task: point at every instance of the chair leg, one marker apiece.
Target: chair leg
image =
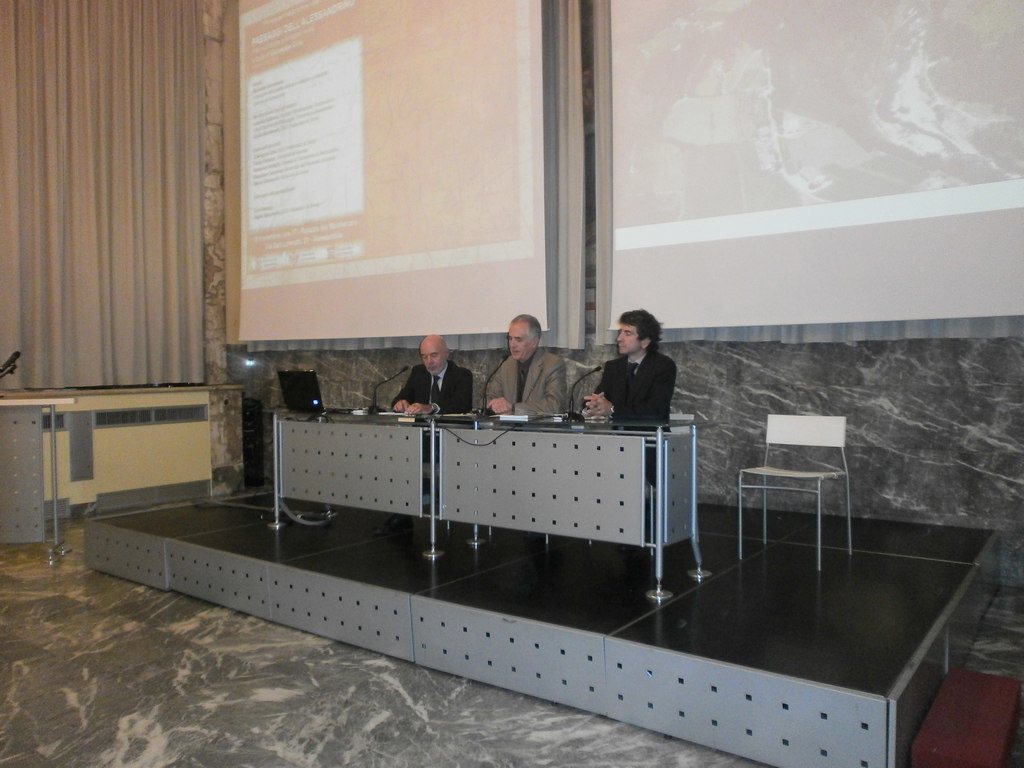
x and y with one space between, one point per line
739 520
819 525
764 511
849 528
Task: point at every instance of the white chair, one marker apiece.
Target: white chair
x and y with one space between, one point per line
811 431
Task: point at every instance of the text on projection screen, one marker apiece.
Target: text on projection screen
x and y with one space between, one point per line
391 165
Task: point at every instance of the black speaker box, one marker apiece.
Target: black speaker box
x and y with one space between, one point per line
252 442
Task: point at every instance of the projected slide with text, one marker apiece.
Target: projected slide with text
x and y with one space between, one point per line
375 143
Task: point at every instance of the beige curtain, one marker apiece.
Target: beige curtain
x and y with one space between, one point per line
101 191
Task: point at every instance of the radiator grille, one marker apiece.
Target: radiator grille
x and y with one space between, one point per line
46 421
179 413
124 418
173 414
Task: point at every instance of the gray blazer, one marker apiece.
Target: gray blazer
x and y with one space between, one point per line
544 392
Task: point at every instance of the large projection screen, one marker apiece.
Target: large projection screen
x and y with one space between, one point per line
392 167
817 161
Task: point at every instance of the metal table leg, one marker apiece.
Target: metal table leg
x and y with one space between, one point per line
698 573
277 523
433 553
58 550
659 594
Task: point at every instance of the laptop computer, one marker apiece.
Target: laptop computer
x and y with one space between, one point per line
300 391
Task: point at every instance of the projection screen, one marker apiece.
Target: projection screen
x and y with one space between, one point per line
392 167
817 161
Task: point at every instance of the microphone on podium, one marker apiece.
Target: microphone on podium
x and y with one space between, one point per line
484 410
10 365
374 408
574 415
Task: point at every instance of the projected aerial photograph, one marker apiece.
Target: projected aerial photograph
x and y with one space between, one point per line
733 106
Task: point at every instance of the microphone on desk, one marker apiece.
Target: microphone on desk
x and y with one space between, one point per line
578 415
484 410
374 408
10 365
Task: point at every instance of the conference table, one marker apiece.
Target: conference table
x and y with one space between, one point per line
629 483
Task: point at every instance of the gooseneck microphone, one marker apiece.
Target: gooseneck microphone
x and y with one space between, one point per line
374 408
484 410
10 365
574 415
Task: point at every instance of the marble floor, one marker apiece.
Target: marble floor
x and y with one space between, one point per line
97 671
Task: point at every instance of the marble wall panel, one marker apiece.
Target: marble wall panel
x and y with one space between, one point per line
215 303
935 426
226 440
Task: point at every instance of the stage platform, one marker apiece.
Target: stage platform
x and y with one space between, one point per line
767 658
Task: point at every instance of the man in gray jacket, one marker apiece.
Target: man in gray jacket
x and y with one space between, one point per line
531 381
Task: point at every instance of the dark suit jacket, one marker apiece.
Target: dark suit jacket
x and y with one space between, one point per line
456 388
650 392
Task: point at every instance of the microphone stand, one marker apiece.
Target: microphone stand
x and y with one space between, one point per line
577 415
374 408
484 410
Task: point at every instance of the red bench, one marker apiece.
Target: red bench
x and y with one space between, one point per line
971 724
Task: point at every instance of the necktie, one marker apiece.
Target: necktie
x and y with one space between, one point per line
632 369
435 389
520 384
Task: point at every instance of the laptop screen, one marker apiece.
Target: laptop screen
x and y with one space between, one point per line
300 391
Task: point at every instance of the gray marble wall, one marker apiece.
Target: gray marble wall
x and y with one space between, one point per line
226 460
936 427
215 315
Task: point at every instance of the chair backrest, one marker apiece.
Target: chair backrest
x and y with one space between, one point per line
828 431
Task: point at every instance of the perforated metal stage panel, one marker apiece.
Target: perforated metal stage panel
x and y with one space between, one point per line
371 466
769 659
219 577
543 660
130 554
131 545
361 614
746 712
